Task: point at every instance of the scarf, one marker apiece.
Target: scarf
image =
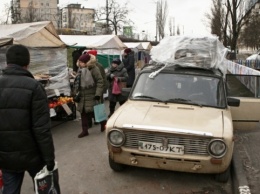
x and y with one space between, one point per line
86 78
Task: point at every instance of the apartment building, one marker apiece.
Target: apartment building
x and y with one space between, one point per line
24 11
78 18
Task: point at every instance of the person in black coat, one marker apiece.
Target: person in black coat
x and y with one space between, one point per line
118 72
26 142
129 63
75 56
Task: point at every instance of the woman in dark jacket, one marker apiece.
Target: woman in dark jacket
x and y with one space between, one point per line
116 71
129 64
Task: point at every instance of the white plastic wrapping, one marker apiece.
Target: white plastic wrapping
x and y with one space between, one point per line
196 51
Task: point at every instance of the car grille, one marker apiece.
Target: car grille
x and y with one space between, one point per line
192 144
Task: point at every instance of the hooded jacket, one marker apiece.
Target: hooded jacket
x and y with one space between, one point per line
25 137
87 94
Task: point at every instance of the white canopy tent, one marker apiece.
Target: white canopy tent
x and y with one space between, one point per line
107 44
147 45
137 45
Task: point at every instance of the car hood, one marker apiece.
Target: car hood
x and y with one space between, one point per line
170 117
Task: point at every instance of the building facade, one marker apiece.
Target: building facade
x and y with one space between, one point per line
78 18
25 11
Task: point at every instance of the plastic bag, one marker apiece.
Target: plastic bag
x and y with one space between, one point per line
100 112
116 89
47 182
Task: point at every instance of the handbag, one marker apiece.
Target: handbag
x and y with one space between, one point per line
76 97
100 112
76 88
47 182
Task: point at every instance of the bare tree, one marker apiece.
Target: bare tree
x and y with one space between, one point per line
230 16
178 30
31 14
161 16
250 35
114 15
172 26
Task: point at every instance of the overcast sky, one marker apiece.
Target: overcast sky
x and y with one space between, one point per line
188 14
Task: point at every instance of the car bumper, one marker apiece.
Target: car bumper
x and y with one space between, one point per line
182 163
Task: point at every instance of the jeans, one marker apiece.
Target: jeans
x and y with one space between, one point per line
13 180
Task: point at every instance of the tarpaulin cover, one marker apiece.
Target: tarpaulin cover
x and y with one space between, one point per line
35 34
48 65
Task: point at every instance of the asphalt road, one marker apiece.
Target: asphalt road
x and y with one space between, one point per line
84 169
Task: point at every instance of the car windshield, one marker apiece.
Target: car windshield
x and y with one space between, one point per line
180 88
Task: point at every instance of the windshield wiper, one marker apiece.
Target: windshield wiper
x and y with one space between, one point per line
149 97
183 100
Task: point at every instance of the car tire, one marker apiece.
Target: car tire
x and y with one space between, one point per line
115 166
224 176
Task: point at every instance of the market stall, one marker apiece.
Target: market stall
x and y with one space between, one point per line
107 46
48 61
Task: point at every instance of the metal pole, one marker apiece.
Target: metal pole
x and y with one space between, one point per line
107 15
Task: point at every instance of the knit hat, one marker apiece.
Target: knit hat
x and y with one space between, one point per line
127 50
84 58
18 55
92 52
116 61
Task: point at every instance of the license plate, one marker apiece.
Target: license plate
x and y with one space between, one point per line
158 147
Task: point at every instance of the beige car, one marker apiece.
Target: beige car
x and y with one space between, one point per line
178 119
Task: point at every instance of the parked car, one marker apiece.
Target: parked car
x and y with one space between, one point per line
177 117
179 120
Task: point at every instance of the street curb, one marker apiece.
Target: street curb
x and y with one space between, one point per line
240 183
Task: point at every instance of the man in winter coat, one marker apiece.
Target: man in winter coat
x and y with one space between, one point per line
129 63
26 142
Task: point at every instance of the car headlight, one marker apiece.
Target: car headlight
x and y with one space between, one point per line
116 137
217 148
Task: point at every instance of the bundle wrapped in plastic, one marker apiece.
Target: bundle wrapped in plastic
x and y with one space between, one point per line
196 51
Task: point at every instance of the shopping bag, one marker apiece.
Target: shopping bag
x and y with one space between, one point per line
100 112
116 89
47 182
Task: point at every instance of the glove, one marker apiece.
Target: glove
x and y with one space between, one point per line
112 75
50 166
97 98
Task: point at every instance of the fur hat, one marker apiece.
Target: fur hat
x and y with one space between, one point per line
18 55
92 52
116 61
127 50
84 58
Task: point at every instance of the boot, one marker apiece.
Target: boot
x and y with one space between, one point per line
103 126
84 123
83 133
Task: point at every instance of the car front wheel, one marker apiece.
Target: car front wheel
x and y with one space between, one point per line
224 176
115 166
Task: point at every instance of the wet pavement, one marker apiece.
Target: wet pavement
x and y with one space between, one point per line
246 162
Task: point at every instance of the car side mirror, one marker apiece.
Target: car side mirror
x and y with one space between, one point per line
233 102
126 91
